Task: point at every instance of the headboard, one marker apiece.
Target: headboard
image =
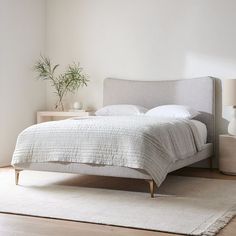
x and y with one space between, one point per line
198 93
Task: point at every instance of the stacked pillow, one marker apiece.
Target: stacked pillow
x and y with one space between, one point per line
165 111
121 110
173 111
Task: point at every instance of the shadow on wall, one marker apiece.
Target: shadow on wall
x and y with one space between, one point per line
221 123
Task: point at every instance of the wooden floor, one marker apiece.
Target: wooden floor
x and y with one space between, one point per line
24 225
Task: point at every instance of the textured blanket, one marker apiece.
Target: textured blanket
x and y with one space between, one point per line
138 142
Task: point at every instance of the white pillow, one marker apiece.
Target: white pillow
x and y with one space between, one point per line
173 111
121 110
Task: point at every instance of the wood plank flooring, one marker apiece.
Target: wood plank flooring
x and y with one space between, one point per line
16 225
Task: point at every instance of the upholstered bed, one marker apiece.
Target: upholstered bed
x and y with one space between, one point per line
197 93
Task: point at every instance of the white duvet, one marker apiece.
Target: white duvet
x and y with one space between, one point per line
134 141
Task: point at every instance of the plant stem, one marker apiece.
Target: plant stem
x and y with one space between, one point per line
59 104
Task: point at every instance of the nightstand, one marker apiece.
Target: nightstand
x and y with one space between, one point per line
43 116
227 154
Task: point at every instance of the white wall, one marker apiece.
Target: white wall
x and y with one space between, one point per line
22 38
142 39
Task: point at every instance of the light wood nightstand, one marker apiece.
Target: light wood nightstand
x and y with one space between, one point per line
43 116
227 154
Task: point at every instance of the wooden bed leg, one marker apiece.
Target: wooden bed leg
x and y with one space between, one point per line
17 174
151 187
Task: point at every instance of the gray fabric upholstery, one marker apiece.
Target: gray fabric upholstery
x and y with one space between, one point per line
198 93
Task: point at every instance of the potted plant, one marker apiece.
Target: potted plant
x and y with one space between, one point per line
69 81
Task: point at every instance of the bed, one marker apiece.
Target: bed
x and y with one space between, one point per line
198 93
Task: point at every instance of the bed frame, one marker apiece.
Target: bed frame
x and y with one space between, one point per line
198 93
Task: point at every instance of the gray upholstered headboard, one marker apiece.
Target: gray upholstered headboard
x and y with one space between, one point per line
198 93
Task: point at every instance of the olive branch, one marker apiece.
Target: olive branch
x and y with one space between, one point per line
70 81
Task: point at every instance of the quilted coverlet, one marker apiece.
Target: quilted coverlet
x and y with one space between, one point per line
138 142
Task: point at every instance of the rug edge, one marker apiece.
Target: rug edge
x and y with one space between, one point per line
212 230
220 223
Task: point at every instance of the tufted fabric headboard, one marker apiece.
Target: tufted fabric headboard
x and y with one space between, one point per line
198 93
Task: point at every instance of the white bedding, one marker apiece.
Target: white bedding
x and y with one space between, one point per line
202 131
136 142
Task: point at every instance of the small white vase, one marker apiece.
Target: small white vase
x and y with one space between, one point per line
77 105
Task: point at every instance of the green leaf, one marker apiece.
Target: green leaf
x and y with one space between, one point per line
70 81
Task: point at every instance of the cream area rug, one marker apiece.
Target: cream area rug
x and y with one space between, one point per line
185 205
